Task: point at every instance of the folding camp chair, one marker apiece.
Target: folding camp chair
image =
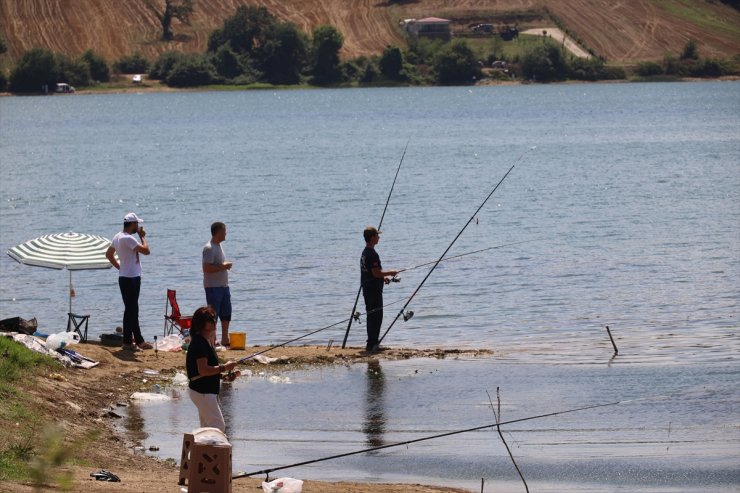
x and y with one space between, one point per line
78 323
172 317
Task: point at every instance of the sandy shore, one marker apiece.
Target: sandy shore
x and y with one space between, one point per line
80 401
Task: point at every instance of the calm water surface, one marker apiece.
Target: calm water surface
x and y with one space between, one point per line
629 204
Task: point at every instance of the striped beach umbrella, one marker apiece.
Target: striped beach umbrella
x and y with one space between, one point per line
73 251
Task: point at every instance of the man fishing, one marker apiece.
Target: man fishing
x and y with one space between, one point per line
372 278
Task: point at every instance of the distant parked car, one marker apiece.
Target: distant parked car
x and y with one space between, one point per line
483 28
64 88
136 79
499 64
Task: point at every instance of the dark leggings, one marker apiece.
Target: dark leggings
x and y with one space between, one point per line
130 287
374 314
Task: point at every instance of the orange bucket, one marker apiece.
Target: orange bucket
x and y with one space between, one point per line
238 340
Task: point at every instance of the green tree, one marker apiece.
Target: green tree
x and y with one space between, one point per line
456 63
545 63
161 68
191 71
647 69
36 70
690 51
131 64
244 31
99 70
75 72
172 10
227 63
327 41
283 55
586 69
391 63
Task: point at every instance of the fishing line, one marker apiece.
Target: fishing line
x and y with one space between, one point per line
441 435
401 313
356 315
466 254
382 216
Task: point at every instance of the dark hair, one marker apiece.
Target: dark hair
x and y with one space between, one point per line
200 317
126 224
369 233
216 227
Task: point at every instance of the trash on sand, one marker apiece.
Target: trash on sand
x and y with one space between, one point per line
148 396
104 475
151 372
62 339
58 377
265 360
283 485
172 342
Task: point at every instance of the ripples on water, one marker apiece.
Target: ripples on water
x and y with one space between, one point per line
632 195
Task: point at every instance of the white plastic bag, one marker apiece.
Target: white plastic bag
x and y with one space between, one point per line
283 485
172 342
61 339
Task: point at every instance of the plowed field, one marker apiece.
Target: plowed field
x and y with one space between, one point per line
621 30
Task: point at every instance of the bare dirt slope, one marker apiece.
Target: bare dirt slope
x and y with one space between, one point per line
625 31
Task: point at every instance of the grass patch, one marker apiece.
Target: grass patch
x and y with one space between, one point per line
512 50
694 13
19 421
16 359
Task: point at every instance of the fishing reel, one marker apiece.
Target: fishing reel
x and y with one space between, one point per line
407 315
231 376
356 316
395 279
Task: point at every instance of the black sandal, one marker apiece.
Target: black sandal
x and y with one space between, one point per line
104 475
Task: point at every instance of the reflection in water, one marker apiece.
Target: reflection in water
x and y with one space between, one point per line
374 425
227 402
134 423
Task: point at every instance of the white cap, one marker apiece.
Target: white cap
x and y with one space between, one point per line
131 217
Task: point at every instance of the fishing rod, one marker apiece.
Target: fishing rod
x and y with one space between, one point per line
382 216
356 315
448 249
441 435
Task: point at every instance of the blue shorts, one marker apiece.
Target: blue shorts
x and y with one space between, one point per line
220 300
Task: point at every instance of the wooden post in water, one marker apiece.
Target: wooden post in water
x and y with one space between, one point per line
616 351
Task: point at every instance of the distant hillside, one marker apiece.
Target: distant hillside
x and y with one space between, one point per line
623 31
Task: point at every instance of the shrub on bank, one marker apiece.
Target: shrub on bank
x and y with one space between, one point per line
131 64
162 67
191 71
35 71
97 65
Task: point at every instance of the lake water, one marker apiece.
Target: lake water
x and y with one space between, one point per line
627 196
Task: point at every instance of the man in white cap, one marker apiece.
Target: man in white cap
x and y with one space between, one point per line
129 277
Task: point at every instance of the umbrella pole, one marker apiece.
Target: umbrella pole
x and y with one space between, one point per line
70 291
